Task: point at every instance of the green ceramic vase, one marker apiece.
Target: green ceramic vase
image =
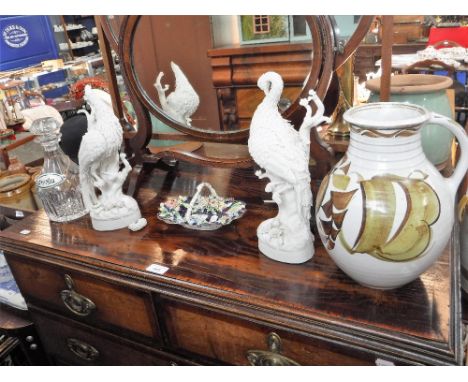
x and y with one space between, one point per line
428 91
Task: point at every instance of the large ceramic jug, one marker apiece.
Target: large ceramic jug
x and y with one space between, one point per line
428 91
384 212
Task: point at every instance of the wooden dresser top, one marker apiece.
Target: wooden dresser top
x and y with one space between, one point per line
225 267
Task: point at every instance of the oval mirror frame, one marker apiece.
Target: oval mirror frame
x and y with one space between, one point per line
111 32
322 66
344 52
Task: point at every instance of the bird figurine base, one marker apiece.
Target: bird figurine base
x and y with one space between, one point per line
297 254
123 219
115 210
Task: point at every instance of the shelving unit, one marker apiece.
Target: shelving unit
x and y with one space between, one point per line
72 27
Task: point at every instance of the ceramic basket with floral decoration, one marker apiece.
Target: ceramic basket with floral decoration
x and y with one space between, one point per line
201 212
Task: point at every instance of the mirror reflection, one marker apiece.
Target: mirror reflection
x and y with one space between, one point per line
344 27
201 71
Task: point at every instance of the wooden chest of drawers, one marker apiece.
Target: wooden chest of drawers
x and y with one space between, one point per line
219 301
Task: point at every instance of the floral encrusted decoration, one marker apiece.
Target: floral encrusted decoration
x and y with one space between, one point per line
205 213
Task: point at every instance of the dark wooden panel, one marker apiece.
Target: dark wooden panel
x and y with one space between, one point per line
228 339
55 333
120 307
249 98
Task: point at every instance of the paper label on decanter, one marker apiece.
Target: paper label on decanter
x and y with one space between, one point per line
49 180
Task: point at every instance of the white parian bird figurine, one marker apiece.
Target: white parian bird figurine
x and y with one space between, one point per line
99 161
283 154
183 102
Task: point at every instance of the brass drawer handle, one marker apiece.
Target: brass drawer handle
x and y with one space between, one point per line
271 357
75 302
82 349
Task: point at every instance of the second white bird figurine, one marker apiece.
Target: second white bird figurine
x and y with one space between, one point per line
283 154
99 159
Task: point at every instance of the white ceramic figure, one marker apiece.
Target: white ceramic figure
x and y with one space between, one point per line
183 102
283 154
100 168
384 213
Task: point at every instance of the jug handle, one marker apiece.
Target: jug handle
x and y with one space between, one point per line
460 170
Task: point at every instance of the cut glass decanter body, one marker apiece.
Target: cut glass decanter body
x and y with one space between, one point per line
58 186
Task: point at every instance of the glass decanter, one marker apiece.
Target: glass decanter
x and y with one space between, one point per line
58 186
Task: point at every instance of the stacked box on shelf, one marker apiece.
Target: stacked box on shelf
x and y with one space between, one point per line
58 76
52 77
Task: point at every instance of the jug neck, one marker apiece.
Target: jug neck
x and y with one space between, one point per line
378 147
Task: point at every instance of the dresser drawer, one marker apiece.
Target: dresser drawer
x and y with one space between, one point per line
239 342
70 343
85 297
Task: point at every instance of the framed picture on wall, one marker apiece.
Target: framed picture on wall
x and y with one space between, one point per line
256 29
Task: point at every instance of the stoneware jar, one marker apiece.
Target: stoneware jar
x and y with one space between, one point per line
428 91
15 192
384 212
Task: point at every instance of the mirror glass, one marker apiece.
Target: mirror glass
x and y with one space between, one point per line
201 71
345 26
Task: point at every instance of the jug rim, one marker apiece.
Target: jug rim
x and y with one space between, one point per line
376 115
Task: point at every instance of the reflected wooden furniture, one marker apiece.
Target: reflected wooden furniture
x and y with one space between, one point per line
235 71
219 301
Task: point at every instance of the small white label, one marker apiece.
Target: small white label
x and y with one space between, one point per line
158 269
25 232
383 362
49 180
19 214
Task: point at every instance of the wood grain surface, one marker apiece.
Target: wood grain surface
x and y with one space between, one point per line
224 271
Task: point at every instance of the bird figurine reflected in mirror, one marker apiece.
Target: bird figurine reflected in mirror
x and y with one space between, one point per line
283 155
183 102
99 161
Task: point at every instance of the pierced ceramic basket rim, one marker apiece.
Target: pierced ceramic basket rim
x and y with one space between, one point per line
421 116
202 227
205 226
